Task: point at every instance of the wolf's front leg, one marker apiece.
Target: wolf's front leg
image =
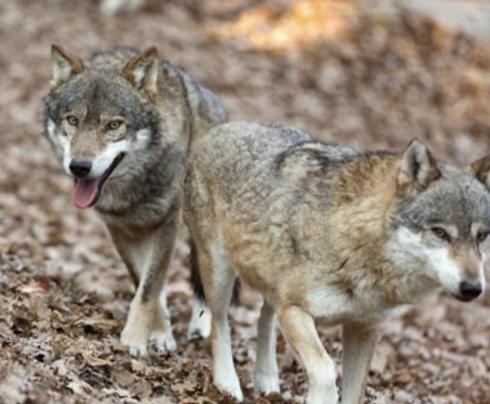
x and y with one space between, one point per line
299 329
161 331
358 346
148 320
148 316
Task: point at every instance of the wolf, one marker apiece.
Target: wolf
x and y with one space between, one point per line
122 124
324 231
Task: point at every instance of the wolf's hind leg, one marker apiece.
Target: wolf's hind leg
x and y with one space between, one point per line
358 347
266 379
218 279
299 329
200 324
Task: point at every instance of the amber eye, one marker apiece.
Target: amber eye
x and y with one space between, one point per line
482 236
440 233
72 120
113 125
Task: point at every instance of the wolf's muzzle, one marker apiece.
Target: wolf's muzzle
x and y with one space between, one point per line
80 168
469 291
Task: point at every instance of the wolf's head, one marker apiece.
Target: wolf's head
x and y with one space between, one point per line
100 118
441 221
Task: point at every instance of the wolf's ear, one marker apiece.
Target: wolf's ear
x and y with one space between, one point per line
142 70
417 166
63 65
481 169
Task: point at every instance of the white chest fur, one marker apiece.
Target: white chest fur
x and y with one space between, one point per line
335 306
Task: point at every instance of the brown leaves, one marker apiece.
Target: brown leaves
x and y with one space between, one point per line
378 82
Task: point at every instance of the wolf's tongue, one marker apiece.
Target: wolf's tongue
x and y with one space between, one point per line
85 192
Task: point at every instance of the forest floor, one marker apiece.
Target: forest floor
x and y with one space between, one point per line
332 68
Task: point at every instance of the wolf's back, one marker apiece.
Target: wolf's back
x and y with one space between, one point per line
246 146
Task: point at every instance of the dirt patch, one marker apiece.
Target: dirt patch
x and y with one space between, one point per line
378 82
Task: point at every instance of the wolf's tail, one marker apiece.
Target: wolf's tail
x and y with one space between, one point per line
196 280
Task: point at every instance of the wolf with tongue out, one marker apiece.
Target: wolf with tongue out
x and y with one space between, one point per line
121 124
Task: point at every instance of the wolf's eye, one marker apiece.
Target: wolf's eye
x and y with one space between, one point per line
440 233
72 120
113 125
482 236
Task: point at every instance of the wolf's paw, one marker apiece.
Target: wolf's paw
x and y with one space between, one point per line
266 383
135 341
200 324
138 351
199 328
322 396
229 384
164 341
233 391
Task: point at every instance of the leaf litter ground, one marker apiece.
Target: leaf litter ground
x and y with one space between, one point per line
373 79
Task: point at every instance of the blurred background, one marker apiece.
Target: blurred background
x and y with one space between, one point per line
370 74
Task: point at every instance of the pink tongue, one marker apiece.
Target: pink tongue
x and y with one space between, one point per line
85 192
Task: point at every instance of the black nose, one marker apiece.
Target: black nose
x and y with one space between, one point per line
80 168
470 291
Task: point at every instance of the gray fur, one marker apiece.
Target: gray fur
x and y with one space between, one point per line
459 202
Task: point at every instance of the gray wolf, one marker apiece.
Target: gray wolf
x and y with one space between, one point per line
325 231
121 124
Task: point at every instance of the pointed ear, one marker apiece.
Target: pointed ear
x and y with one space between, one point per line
481 170
142 70
63 65
417 166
